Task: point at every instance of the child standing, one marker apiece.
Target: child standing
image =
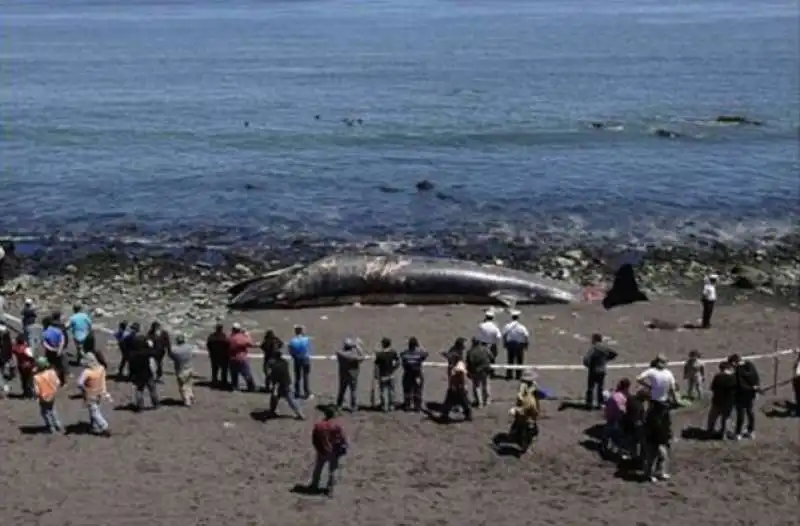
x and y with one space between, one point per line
694 373
46 384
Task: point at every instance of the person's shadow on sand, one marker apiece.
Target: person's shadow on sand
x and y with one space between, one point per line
264 415
305 489
502 445
434 412
783 410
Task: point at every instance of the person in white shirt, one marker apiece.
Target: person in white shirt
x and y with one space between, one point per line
516 339
796 386
489 334
2 257
663 389
709 299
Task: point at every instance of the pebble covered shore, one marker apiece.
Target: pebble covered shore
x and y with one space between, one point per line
188 290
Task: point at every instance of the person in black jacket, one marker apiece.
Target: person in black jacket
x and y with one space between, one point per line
219 355
413 381
747 386
596 362
162 345
270 346
142 370
387 360
723 397
282 382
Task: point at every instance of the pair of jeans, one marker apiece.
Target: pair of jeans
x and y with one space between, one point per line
185 384
613 436
347 382
302 370
515 355
96 418
220 369
332 461
386 390
744 411
290 401
481 392
718 413
58 363
242 368
50 416
150 386
457 398
413 384
595 384
708 311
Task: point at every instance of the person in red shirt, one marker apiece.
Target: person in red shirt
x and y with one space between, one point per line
330 445
239 343
26 365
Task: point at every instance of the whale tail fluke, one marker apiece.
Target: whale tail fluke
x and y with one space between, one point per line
625 290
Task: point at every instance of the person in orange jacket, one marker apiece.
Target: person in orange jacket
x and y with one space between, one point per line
46 385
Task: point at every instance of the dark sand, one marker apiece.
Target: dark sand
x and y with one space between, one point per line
214 464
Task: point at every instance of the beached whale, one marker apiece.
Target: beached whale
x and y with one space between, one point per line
413 280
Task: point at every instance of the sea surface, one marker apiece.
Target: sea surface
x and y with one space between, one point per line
245 122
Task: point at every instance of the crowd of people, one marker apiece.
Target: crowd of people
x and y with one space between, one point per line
637 413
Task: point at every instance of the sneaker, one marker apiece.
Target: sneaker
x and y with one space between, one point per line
653 479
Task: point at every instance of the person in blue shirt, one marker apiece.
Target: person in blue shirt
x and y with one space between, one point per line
300 351
80 325
53 343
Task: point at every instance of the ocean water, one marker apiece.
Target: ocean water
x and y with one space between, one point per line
237 122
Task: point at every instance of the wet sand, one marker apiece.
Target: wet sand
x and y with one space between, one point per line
215 463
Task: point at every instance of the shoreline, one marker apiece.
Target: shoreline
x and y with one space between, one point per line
187 288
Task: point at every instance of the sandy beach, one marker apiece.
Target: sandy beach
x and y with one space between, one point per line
216 462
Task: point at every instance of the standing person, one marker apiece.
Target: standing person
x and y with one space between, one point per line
55 319
747 386
92 384
330 445
516 339
181 356
282 386
142 369
162 345
633 425
489 334
479 367
28 317
694 373
300 352
413 380
6 347
80 326
457 392
2 266
796 386
53 341
90 346
219 355
45 385
663 390
615 409
596 363
269 346
709 299
723 399
349 359
387 360
26 365
240 343
127 346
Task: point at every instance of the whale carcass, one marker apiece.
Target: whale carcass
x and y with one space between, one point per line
413 280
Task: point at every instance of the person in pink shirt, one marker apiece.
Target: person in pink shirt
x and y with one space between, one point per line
615 410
